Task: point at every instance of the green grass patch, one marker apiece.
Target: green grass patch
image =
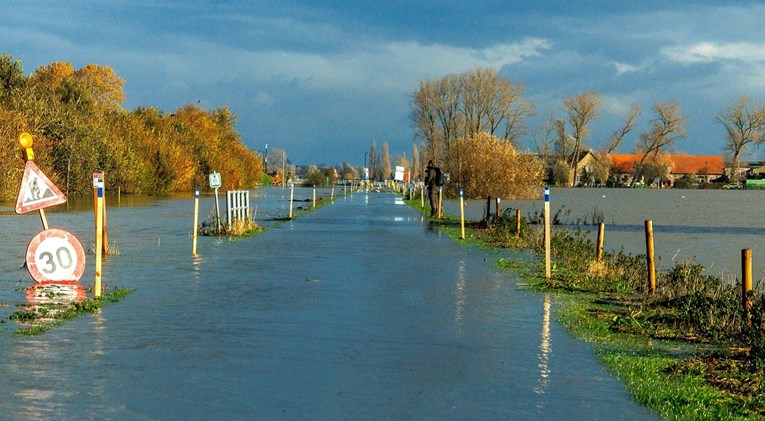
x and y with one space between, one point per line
38 318
669 377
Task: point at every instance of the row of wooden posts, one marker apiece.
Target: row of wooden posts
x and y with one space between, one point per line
746 254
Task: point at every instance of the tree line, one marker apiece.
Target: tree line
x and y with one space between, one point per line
80 126
448 112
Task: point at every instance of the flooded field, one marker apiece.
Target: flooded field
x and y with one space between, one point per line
359 310
712 226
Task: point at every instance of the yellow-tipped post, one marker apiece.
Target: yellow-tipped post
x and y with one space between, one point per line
746 282
462 214
440 201
99 239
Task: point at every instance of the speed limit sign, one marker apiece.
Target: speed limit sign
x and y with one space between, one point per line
55 256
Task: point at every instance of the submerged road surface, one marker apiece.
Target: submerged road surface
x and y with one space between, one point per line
356 311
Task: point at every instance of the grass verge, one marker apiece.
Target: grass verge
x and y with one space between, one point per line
686 351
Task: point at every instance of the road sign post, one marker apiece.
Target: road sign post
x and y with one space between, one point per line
55 256
215 183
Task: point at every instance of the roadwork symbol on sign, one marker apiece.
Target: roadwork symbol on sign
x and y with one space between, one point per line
37 191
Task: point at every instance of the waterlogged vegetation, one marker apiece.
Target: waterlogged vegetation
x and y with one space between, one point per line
53 308
238 228
689 350
249 228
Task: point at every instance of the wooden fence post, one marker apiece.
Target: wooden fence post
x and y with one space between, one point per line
518 222
650 260
746 283
601 239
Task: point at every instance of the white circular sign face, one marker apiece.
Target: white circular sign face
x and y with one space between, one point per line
55 256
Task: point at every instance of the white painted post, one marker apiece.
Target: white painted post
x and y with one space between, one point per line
217 212
547 233
292 196
196 221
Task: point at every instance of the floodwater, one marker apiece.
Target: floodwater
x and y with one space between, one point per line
710 226
357 311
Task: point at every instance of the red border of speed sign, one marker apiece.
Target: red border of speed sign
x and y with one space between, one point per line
38 276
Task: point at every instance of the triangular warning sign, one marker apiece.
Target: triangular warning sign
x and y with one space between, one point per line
37 191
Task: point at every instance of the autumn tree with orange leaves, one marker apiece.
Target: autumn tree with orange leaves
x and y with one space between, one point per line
80 127
488 166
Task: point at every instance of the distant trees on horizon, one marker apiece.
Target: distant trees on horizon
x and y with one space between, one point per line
459 106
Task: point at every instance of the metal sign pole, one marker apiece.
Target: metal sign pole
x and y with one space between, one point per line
217 212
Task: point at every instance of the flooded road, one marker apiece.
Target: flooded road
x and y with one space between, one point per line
356 311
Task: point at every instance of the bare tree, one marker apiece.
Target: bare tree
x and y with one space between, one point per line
449 116
425 104
581 109
384 168
744 124
666 128
446 110
372 159
563 145
415 162
490 101
624 130
544 138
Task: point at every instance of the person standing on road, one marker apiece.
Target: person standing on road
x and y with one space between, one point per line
431 180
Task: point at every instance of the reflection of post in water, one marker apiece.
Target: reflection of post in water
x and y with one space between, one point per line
545 349
459 298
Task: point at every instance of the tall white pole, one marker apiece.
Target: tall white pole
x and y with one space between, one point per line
547 233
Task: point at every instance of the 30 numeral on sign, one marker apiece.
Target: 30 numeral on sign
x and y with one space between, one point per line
63 258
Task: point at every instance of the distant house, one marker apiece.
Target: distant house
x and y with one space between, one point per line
584 166
705 167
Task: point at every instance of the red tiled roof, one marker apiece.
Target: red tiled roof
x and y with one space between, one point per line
624 163
681 164
689 164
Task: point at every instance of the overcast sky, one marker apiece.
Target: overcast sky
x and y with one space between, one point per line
322 79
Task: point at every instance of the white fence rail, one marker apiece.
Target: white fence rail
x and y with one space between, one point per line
237 206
